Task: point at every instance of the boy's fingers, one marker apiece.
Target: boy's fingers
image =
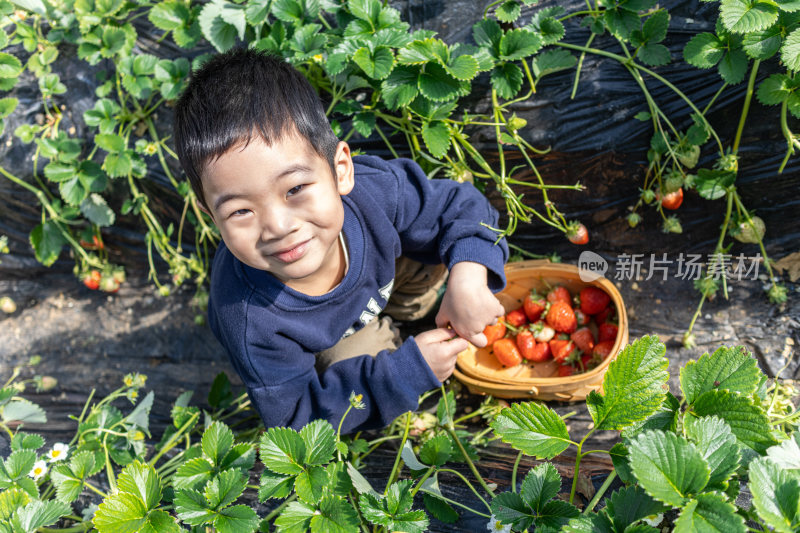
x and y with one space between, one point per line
437 335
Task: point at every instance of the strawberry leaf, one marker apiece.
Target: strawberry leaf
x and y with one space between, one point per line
440 509
654 54
282 451
508 11
540 485
533 429
400 88
733 369
668 467
336 515
376 64
216 442
310 484
38 514
224 489
763 44
436 137
590 523
713 184
704 50
142 481
715 441
296 517
69 479
774 90
507 79
274 485
518 44
664 419
776 493
631 504
193 473
437 85
743 16
709 513
436 451
746 419
236 519
633 386
787 453
552 61
733 66
655 27
790 51
510 508
319 439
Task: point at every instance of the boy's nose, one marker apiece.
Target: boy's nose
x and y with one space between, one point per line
277 223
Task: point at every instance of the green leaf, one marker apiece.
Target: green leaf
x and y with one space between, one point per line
400 88
787 453
236 519
744 16
399 498
763 44
22 410
436 451
58 172
709 513
533 429
319 439
10 66
546 24
40 514
8 105
73 191
733 369
169 15
336 515
507 79
704 50
11 500
551 61
194 473
633 385
487 33
445 408
776 89
518 44
216 442
440 509
776 493
97 211
715 441
26 441
621 22
656 25
733 66
508 11
437 137
220 394
668 467
296 517
122 512
311 483
590 523
224 489
510 508
47 242
36 6
713 184
619 457
746 419
540 485
436 84
631 504
654 54
463 67
109 142
274 486
282 450
364 123
216 30
555 514
18 465
192 508
790 51
664 419
378 64
142 481
159 521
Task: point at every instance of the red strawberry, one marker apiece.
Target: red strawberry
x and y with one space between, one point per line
593 300
541 353
565 370
92 279
533 305
672 200
589 361
525 343
607 332
516 317
603 349
583 339
561 349
561 317
559 293
604 315
494 332
577 233
506 352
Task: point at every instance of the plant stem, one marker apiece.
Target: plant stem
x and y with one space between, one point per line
514 472
457 504
467 483
471 465
602 490
748 96
275 512
424 477
173 439
579 67
396 465
578 457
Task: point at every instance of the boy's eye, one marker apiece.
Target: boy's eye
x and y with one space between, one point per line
239 212
294 190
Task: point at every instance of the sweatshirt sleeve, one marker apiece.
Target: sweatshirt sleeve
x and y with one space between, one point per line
441 220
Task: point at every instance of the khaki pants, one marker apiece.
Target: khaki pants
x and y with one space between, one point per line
416 290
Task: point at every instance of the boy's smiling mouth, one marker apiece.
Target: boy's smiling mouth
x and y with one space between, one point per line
293 253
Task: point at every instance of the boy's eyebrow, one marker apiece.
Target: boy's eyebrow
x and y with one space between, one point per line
291 169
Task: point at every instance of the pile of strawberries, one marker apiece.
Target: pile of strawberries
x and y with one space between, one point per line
577 333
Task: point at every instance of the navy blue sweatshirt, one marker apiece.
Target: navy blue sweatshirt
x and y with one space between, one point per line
271 332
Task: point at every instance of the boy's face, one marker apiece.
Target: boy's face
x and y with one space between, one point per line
279 209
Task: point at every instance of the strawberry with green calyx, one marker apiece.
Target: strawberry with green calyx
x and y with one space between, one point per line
751 231
533 305
562 347
672 225
577 233
92 279
109 284
777 293
494 332
542 332
559 293
648 196
583 339
593 300
607 332
516 318
536 352
633 219
561 317
505 350
672 200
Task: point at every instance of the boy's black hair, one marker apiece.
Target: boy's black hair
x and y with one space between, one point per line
240 93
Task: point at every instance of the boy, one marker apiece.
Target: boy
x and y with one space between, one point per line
310 240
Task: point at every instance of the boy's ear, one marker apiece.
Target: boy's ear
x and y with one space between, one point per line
343 163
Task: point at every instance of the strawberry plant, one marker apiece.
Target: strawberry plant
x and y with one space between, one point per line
682 461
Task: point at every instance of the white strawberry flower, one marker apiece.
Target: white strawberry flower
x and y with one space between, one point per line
496 526
58 453
39 469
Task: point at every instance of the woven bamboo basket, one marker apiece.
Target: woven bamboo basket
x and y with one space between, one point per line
480 371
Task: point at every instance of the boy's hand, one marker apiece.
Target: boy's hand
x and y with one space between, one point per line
440 348
468 305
